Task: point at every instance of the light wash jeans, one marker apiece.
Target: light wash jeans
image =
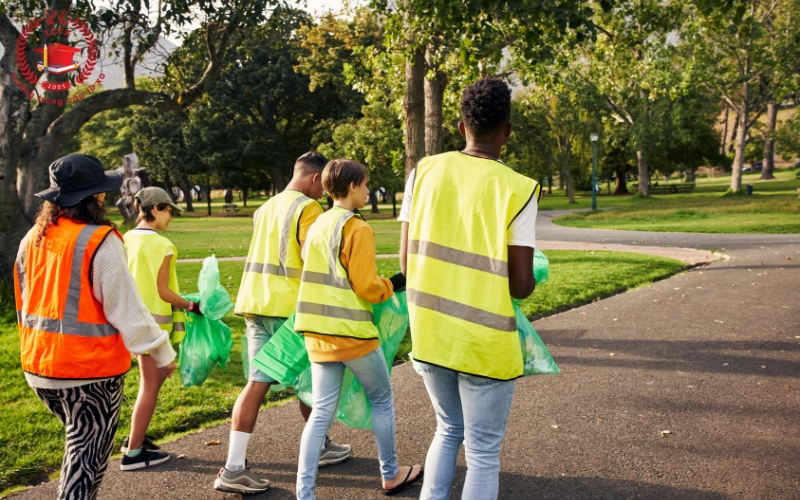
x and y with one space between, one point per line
473 410
326 384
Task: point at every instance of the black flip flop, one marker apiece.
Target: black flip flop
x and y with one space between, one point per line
405 484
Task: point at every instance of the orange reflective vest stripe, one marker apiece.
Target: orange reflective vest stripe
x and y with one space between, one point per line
64 333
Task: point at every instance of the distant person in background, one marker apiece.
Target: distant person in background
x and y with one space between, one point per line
80 318
267 297
467 241
151 261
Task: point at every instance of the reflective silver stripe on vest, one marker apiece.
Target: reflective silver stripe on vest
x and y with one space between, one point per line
336 241
286 231
459 257
462 311
179 326
162 319
331 278
257 267
334 311
326 279
70 324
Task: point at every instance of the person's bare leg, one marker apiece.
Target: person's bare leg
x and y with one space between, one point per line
305 411
245 410
150 382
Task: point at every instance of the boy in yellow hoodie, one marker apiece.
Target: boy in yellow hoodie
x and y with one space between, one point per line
338 286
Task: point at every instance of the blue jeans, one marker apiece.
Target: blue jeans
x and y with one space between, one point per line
258 331
326 384
469 409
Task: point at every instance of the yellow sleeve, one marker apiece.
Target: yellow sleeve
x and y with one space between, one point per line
307 217
358 257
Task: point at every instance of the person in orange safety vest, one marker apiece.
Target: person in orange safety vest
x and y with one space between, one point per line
80 317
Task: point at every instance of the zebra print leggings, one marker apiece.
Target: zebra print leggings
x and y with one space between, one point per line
90 414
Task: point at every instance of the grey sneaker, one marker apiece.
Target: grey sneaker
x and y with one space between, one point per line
244 482
334 453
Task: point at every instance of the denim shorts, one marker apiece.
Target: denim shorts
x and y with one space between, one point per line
258 330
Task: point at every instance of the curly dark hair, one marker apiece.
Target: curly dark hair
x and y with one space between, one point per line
486 106
87 211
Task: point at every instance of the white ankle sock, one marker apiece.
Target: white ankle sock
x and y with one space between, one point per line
237 450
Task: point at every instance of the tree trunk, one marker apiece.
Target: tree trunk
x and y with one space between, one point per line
769 143
741 142
208 193
724 138
373 200
228 197
244 197
278 180
730 141
168 185
644 174
568 183
187 193
567 176
434 102
393 199
621 186
414 110
690 175
550 184
561 181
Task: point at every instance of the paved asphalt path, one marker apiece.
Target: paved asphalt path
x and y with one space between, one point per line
711 355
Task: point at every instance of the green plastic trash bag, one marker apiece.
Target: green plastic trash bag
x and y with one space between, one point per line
536 358
541 267
208 340
285 359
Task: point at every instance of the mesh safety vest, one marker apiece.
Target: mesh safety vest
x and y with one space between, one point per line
461 315
146 252
271 279
63 331
327 304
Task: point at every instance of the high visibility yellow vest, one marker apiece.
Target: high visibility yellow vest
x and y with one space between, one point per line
271 279
146 251
327 304
461 315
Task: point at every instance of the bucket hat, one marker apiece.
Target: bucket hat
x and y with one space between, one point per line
75 177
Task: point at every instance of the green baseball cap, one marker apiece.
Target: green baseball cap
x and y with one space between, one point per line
155 195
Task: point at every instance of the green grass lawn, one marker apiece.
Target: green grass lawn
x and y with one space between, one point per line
753 214
773 208
707 190
32 439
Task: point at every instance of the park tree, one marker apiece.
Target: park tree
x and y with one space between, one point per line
160 146
635 68
431 36
36 127
560 120
787 138
752 55
375 139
